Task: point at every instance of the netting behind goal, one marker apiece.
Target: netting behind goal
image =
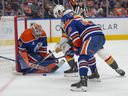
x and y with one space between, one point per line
10 29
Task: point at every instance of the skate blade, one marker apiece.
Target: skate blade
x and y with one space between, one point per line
71 75
95 80
81 89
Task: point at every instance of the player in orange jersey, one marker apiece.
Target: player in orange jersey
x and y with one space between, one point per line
59 11
87 39
33 56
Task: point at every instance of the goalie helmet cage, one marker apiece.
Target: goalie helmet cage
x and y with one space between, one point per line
16 27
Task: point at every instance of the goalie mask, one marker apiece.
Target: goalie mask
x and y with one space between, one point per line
37 30
58 11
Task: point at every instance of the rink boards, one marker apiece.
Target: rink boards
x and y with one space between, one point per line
114 28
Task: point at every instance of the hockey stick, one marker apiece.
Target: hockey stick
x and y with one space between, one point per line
38 62
48 55
17 61
37 65
44 60
7 58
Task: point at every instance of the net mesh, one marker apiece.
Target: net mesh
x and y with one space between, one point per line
6 30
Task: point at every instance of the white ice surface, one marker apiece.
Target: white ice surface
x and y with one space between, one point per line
56 84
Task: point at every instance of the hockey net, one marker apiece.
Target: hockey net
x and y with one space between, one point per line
10 29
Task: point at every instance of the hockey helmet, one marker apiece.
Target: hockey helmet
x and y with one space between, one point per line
58 11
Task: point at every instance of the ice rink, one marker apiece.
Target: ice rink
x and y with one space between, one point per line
55 84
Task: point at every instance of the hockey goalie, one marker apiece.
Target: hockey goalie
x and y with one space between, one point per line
33 56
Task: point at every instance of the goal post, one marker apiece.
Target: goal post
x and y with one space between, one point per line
10 29
17 35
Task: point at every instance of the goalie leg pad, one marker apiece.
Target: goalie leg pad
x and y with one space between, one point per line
47 62
23 60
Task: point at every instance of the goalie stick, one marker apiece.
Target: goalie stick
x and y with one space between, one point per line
37 65
40 61
44 60
7 58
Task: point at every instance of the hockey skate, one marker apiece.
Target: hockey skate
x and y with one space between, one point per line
72 72
120 71
80 86
94 77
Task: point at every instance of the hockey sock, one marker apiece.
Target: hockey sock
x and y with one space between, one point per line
92 64
112 63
